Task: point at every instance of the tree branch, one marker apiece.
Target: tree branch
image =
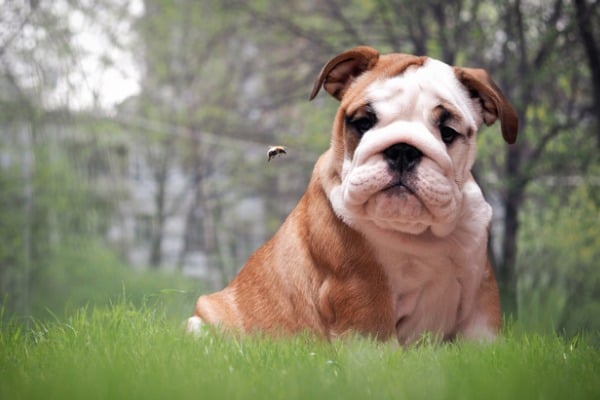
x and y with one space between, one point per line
290 26
389 28
338 15
16 33
552 34
583 15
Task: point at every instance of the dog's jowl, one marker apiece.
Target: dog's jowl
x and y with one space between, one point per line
390 238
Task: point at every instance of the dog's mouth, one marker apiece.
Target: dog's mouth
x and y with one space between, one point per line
398 187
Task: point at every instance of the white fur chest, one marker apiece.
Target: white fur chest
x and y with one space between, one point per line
433 280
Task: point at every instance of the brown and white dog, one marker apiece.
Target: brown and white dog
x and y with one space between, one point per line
390 238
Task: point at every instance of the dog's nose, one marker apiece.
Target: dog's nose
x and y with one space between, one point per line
402 157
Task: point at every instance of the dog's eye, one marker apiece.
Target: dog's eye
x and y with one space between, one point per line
363 122
448 134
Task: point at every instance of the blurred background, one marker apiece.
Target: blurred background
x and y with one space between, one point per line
133 139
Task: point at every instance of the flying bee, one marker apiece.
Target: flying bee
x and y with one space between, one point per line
275 151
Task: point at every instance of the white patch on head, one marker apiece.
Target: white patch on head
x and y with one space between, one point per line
431 196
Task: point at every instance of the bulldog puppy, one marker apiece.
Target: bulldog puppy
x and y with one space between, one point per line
390 238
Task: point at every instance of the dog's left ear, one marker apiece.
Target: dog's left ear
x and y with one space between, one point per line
341 70
495 105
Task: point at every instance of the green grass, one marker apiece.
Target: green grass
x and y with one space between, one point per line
131 352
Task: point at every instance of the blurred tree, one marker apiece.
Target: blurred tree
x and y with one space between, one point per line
200 77
45 199
587 17
547 87
559 283
24 73
179 42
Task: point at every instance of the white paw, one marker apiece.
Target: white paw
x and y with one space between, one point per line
194 326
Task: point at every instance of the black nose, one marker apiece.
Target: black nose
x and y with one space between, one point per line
402 157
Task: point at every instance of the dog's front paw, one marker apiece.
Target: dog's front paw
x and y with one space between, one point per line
195 326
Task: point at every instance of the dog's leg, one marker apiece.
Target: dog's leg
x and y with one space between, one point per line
485 322
216 309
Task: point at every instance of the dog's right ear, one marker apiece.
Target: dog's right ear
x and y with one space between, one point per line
340 71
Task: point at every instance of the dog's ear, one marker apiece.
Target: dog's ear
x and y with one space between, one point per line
494 104
340 71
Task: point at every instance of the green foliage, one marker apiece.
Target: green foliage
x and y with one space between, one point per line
127 352
52 255
559 262
43 204
84 272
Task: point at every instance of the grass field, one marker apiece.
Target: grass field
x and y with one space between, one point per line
130 352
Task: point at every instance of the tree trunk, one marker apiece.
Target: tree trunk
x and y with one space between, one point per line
27 167
160 213
158 223
592 48
512 203
197 182
513 194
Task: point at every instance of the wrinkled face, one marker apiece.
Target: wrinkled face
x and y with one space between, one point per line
408 148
